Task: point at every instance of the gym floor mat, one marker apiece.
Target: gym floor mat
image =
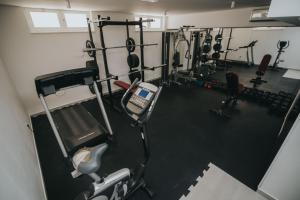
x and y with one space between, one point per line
185 138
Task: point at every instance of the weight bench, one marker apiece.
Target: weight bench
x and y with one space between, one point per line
122 84
262 68
234 89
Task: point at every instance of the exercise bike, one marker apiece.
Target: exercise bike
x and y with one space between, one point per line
281 46
122 183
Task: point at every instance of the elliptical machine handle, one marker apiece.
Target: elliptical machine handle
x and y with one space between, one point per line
152 106
126 95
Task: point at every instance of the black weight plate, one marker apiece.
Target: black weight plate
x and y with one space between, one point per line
217 47
218 37
215 56
133 61
134 74
206 48
89 44
208 38
130 45
204 58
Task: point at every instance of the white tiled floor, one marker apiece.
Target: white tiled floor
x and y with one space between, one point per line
218 185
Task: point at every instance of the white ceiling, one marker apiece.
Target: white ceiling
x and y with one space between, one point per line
134 6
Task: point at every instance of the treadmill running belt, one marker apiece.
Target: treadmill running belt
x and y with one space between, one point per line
78 128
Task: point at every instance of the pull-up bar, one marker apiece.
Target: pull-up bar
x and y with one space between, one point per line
106 22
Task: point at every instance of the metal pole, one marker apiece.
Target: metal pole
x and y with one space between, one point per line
227 48
252 56
289 112
102 108
248 59
58 138
91 39
142 48
107 74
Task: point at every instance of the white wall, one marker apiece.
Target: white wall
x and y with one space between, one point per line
267 40
29 55
267 44
19 171
286 8
282 181
225 18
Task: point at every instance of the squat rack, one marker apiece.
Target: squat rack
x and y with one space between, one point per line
103 22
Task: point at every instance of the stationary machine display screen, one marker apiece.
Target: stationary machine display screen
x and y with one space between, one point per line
143 93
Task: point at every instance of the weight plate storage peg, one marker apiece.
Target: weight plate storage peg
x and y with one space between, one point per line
90 45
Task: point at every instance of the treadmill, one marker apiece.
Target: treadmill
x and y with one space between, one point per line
74 127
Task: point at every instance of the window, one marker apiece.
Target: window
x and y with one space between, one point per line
44 20
47 21
156 25
75 20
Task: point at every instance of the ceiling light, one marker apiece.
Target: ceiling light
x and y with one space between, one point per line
68 4
232 4
150 1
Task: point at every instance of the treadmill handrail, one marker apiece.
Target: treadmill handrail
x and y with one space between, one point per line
54 127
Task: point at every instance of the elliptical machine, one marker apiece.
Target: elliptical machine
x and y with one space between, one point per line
281 46
122 183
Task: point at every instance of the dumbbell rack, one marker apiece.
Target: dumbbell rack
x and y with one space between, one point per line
278 103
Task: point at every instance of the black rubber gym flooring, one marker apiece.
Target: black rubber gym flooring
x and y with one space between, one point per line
185 138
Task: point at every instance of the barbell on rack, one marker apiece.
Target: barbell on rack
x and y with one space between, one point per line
116 77
90 48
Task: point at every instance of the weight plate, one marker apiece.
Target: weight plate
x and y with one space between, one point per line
206 48
134 74
215 56
130 45
208 38
218 37
90 45
217 47
204 58
133 61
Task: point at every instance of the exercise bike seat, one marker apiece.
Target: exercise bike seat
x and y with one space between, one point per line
88 160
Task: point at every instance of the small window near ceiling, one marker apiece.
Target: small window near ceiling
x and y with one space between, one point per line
75 20
156 24
45 19
49 21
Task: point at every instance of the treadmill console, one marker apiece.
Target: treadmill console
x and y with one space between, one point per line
141 98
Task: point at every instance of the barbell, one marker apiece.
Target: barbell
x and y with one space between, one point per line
116 77
88 49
